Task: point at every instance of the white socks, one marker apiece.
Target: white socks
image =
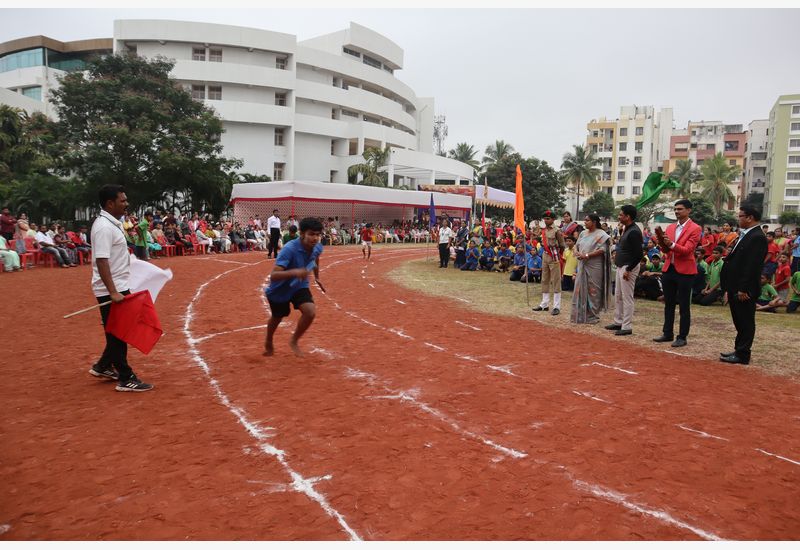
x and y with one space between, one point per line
546 299
557 300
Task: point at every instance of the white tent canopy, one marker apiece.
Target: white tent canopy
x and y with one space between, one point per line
494 197
348 203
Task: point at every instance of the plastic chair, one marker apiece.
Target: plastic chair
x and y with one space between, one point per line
25 256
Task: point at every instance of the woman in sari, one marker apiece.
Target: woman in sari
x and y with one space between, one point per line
593 280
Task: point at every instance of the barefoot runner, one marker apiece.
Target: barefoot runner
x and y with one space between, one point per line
366 241
289 282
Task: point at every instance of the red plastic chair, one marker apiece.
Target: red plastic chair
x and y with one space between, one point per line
25 256
168 249
201 248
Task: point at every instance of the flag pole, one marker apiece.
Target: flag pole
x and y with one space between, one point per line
84 310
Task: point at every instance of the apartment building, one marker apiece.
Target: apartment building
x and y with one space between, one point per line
755 173
629 148
782 186
293 110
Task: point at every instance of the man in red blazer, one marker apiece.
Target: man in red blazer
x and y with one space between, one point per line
678 243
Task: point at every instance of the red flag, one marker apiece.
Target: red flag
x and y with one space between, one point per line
135 321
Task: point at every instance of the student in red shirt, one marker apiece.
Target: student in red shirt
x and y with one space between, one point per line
771 259
366 241
782 276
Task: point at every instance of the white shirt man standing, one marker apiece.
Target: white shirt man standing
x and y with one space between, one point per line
445 238
111 267
274 228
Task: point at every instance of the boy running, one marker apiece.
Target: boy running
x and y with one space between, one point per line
366 241
289 283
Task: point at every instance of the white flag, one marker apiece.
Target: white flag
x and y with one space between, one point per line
146 276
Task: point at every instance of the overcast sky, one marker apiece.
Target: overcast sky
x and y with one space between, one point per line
532 77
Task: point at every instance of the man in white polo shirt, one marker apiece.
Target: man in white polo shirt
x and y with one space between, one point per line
274 228
446 236
111 266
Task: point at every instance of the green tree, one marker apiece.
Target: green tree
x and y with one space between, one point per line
686 175
601 203
498 151
541 187
717 174
579 168
375 157
465 153
702 210
789 218
124 121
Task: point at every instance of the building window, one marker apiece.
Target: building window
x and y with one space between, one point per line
793 176
278 171
795 110
34 92
684 146
198 91
623 146
794 159
795 127
594 148
333 175
594 133
794 144
215 55
354 53
620 189
621 176
608 190
215 92
198 54
639 147
791 208
793 192
731 145
353 114
623 132
280 99
21 60
639 131
280 63
637 176
278 136
372 62
637 161
622 161
711 147
732 162
333 144
636 190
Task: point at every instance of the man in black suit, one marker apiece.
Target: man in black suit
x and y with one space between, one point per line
740 278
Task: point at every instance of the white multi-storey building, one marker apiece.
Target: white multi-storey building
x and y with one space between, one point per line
755 175
293 110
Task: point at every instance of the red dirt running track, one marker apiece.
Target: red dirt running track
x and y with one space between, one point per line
409 418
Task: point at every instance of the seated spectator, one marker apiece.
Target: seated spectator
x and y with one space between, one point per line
652 250
712 293
518 264
79 240
699 280
472 258
794 293
771 259
486 260
203 239
48 246
10 257
768 300
153 246
221 235
504 258
534 266
291 234
648 284
782 276
251 238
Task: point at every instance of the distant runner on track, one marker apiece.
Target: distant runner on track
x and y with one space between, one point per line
289 283
366 241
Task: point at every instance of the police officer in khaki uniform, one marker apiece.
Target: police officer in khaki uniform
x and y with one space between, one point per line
553 245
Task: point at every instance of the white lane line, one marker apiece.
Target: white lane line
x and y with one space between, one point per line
399 301
590 396
400 333
595 363
299 483
461 300
467 358
434 346
324 353
370 323
505 369
235 262
660 515
675 353
209 336
5 528
701 433
371 285
468 326
779 456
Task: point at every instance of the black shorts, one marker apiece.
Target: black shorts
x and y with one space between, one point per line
281 309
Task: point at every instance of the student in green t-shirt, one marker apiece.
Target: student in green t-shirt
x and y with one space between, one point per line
794 293
713 293
140 239
768 299
291 235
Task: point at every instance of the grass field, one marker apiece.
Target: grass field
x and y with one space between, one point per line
775 349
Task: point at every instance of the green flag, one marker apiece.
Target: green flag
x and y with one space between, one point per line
653 186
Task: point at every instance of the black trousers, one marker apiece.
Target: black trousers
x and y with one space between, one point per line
116 352
461 258
274 237
744 319
444 254
709 299
677 289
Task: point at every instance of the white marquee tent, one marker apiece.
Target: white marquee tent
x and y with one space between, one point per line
350 203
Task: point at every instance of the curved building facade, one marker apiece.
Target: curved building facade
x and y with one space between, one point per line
299 110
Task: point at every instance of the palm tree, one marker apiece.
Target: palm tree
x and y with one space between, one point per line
717 175
496 152
11 137
580 168
465 153
686 175
375 157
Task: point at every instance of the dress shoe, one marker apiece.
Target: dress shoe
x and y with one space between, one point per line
729 354
621 332
734 359
556 311
540 308
663 338
612 326
679 342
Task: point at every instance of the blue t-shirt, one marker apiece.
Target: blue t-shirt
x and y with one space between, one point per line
519 259
488 253
472 255
796 251
293 255
504 253
534 261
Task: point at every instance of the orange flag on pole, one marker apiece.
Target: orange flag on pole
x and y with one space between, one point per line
519 204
